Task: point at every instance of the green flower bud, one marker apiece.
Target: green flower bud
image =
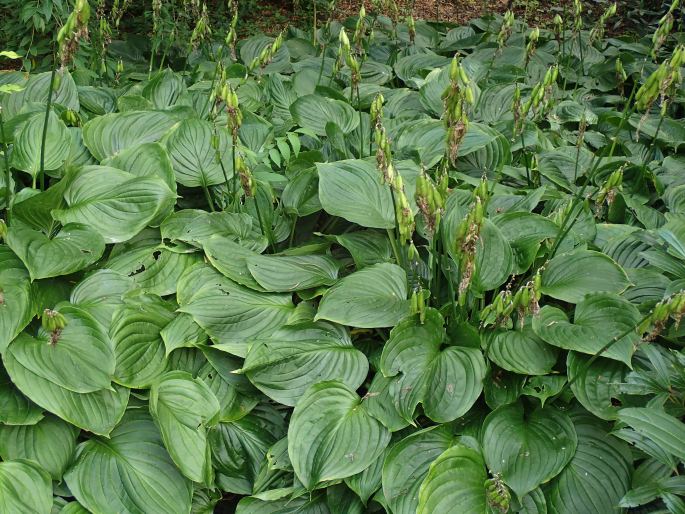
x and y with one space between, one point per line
52 320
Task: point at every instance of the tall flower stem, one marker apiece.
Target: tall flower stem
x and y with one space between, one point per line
45 123
8 173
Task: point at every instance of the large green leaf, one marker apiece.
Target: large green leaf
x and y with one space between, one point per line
571 276
665 430
28 143
293 358
599 320
184 407
97 412
293 272
455 483
145 160
194 158
78 358
313 112
446 380
520 351
15 408
129 473
24 487
331 434
138 346
596 386
375 296
73 248
354 190
16 307
106 136
239 447
601 469
527 448
407 464
116 203
231 314
50 443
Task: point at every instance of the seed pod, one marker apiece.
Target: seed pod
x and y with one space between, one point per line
52 320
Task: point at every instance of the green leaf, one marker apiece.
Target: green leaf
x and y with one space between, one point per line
229 313
129 473
520 351
194 159
596 386
184 407
138 346
97 412
106 136
152 266
369 298
446 380
293 358
230 258
145 160
50 443
15 408
324 435
100 293
16 307
597 321
354 189
293 272
456 478
601 468
313 112
571 276
407 464
73 248
79 358
24 487
28 142
665 430
115 203
527 449
239 447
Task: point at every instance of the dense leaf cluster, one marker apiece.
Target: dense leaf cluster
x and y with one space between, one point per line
292 280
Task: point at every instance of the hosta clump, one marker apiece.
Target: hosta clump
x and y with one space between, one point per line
410 270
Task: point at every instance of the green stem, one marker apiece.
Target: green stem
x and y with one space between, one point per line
652 146
568 222
8 172
208 197
393 244
45 124
525 156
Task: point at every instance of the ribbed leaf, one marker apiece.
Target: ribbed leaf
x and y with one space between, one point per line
597 321
128 473
29 140
293 358
293 272
372 297
107 135
331 434
407 464
24 487
73 248
446 380
527 449
665 430
184 407
571 276
455 483
116 203
313 112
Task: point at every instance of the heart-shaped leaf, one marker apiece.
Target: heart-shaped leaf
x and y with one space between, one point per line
73 248
324 435
527 449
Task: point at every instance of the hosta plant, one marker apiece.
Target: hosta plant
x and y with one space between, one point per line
404 270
